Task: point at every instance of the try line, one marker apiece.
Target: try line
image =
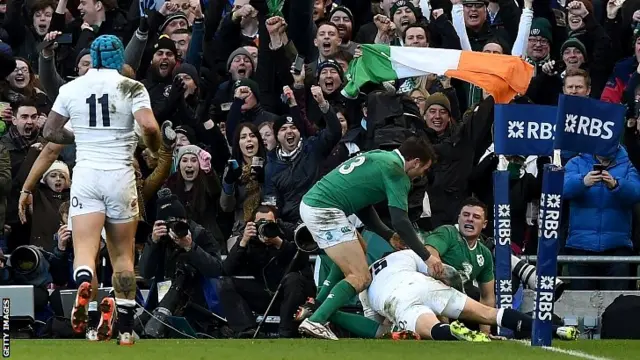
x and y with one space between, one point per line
575 353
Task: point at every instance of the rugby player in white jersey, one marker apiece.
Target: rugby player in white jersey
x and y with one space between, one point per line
403 293
102 106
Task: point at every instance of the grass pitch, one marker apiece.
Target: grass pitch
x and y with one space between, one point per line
308 349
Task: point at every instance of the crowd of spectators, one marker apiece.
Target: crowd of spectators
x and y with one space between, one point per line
250 135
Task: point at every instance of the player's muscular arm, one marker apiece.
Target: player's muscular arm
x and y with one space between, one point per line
433 252
54 130
371 220
400 222
488 298
150 129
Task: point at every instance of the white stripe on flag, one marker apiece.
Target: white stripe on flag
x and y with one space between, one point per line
415 61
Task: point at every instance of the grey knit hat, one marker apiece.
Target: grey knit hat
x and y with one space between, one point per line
240 51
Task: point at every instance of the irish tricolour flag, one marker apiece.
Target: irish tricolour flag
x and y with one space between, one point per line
502 76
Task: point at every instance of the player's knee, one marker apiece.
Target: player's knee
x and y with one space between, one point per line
124 284
359 281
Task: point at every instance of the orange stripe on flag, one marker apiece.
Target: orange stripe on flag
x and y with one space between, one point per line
502 76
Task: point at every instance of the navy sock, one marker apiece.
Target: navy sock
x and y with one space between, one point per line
82 274
126 311
442 332
515 320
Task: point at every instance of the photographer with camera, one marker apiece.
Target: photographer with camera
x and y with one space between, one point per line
180 252
264 251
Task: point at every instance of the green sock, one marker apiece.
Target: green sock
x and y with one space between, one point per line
358 325
340 295
335 275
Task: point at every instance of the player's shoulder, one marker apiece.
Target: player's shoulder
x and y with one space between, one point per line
445 230
484 249
71 85
129 88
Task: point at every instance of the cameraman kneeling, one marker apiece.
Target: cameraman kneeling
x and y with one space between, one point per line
181 251
263 253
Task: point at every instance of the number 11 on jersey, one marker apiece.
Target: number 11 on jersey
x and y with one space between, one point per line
104 105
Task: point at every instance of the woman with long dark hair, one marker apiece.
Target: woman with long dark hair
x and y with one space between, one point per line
244 175
197 186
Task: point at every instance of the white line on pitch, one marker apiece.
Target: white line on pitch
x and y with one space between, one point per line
575 353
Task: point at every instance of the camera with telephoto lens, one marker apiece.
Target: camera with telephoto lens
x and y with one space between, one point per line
155 325
267 229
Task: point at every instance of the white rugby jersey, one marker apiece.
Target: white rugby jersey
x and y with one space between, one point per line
388 272
100 107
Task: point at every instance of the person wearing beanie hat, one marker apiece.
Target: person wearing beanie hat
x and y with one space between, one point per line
189 76
169 208
330 75
540 40
46 199
83 62
246 93
438 112
240 64
173 22
185 135
57 177
403 13
574 53
164 57
282 121
343 18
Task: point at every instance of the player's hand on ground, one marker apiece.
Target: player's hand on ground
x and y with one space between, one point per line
435 267
159 230
25 203
497 337
397 242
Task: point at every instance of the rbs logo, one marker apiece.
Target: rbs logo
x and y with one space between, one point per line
584 125
534 130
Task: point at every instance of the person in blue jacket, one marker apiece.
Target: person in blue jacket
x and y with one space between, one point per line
602 191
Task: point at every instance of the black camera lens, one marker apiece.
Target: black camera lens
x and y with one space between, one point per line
267 229
180 228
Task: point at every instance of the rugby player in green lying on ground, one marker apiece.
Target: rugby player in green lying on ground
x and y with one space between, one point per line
353 188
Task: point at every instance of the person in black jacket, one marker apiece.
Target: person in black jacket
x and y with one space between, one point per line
166 251
160 76
266 259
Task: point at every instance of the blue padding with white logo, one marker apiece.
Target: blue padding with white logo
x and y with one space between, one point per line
588 126
524 129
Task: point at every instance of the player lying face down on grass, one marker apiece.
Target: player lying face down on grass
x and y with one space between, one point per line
353 188
403 292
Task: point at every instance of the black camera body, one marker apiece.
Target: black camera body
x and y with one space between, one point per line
180 228
267 229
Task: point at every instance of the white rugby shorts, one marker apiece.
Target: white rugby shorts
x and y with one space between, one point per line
414 294
111 192
329 227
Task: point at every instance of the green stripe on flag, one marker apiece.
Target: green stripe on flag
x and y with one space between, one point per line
373 66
